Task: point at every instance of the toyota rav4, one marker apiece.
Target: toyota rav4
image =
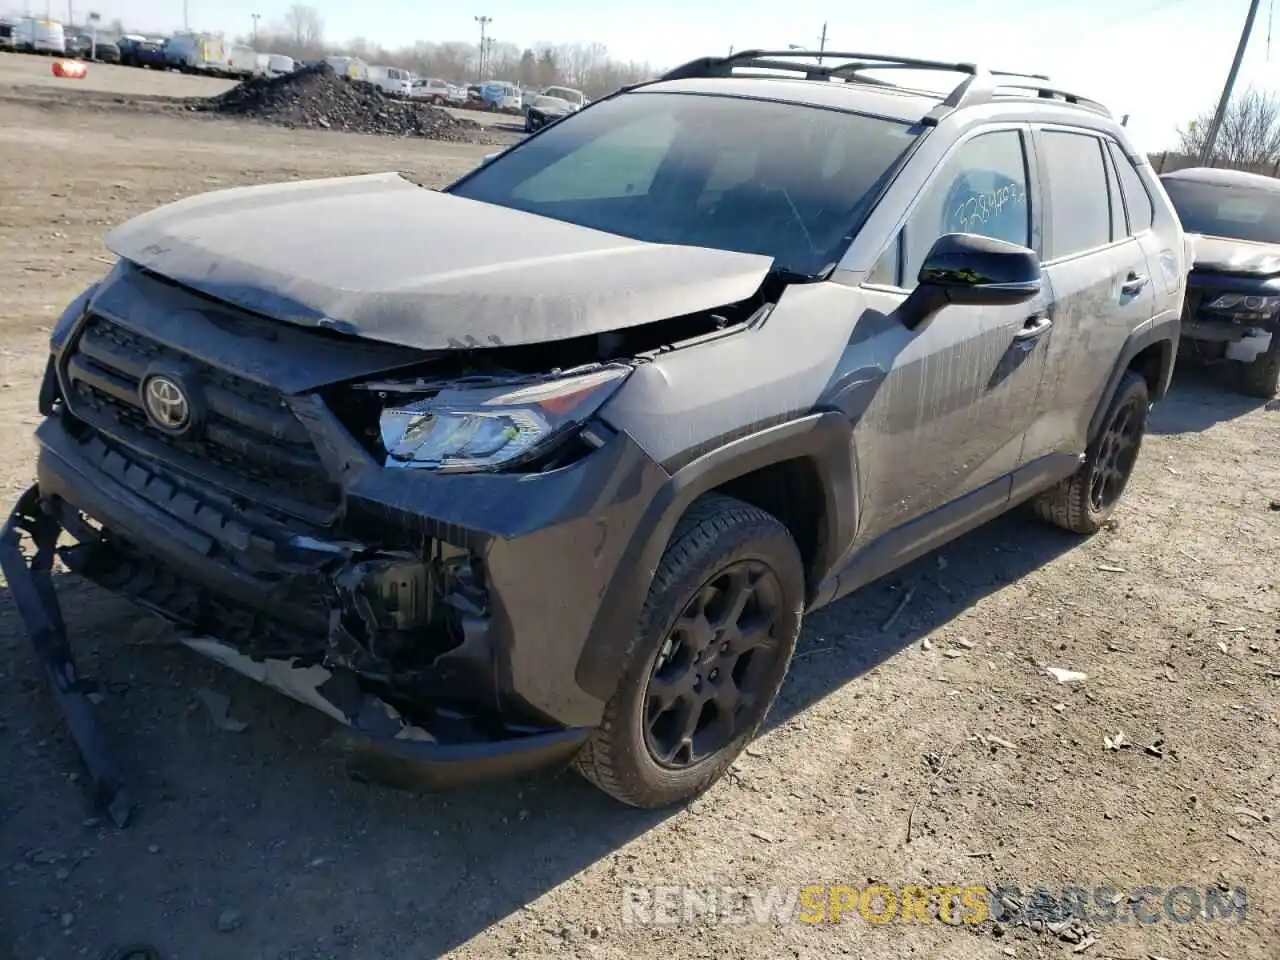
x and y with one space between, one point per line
700 358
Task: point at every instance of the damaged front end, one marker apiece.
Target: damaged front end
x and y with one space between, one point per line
394 645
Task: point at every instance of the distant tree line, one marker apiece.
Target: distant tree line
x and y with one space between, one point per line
300 34
1249 138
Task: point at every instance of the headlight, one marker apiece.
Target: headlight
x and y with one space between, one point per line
1238 301
465 429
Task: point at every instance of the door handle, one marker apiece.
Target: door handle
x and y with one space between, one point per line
1035 326
1134 283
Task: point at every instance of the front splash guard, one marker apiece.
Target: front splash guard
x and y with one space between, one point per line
31 585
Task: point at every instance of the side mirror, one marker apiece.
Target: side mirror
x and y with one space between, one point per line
971 270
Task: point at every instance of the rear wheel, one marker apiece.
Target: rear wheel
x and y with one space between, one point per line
1085 500
1261 378
711 648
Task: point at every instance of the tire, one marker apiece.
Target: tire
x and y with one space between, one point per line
1261 378
1074 504
720 541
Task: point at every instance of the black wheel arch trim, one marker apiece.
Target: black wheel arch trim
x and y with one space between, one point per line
823 437
1160 331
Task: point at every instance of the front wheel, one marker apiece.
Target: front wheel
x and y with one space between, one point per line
1084 501
710 651
1261 378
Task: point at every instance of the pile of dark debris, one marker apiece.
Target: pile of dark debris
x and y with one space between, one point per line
318 97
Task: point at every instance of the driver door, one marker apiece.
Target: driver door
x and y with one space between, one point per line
949 420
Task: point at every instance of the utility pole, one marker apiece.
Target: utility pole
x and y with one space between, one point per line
186 19
484 22
1211 138
93 34
255 17
822 41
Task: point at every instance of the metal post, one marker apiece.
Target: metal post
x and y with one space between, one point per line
1211 138
822 41
256 17
484 22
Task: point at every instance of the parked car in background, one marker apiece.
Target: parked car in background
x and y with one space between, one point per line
88 47
198 53
431 89
501 95
457 94
242 61
39 36
475 95
1232 311
6 35
545 110
137 51
275 65
393 81
576 99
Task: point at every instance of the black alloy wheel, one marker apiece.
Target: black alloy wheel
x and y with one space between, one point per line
714 667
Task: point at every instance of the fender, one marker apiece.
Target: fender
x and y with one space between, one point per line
825 437
1163 331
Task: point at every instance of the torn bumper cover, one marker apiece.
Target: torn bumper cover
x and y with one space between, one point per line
482 705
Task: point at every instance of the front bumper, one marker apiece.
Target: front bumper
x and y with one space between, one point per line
378 744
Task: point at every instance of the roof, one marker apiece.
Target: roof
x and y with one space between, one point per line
1217 177
905 105
845 81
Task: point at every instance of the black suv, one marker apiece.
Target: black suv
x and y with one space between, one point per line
710 353
1232 311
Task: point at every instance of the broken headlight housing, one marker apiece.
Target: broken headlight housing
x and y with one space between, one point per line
474 426
1240 303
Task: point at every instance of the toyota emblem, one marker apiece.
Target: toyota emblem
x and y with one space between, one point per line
167 405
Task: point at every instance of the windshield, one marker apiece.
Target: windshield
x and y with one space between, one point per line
1215 210
696 170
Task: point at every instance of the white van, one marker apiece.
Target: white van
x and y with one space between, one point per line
392 81
242 61
39 36
278 65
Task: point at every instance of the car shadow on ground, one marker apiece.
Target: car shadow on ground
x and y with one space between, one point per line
1199 398
265 822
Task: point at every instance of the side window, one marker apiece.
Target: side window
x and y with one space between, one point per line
621 163
1081 208
982 189
1136 199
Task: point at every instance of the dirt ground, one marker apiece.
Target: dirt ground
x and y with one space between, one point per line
947 723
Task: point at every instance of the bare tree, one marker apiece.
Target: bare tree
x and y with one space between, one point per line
1250 134
304 26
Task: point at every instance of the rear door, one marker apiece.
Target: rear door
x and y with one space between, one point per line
1099 279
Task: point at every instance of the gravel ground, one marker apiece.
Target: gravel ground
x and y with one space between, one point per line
946 724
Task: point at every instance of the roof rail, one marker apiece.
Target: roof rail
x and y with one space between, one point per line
979 85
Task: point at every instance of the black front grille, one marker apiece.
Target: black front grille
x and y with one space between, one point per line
248 438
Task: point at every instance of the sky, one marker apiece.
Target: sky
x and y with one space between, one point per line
1160 61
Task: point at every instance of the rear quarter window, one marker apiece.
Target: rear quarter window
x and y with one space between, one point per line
1137 200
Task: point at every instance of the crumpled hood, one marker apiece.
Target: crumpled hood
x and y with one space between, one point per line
379 257
1227 255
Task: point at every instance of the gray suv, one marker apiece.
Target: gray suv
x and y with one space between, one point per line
708 354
